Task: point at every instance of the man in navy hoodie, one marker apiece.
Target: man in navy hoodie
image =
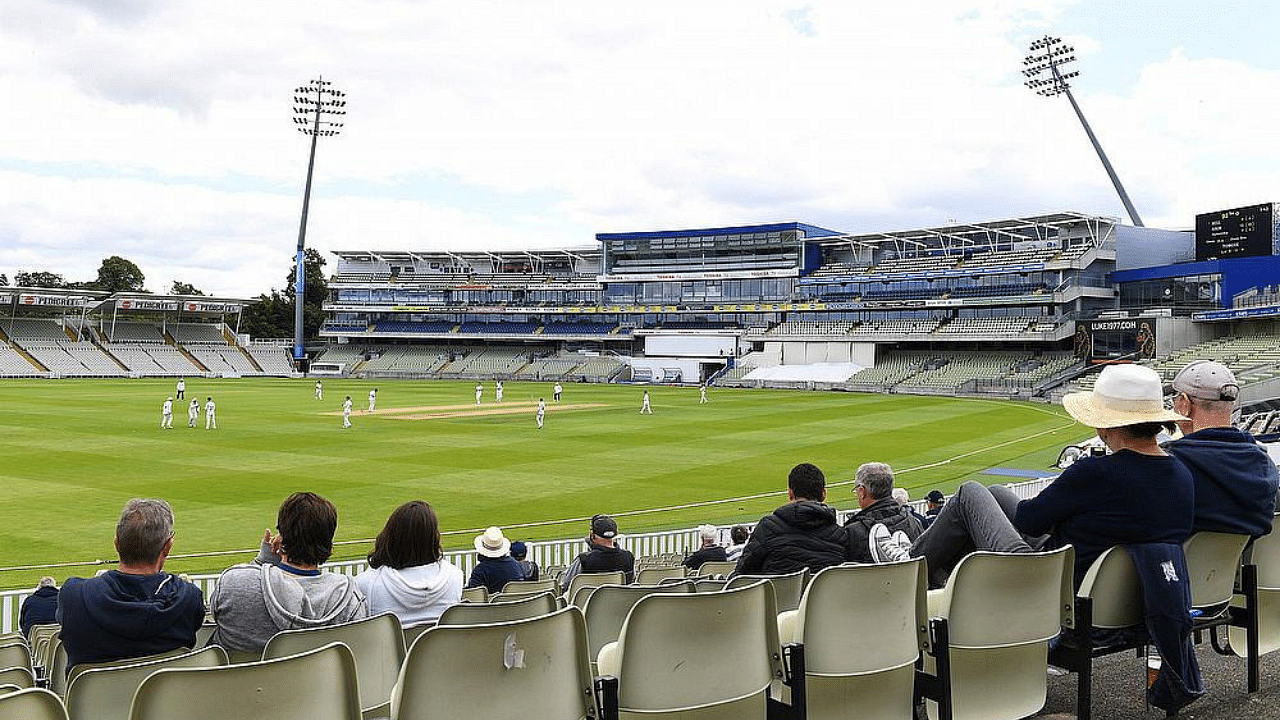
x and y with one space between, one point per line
136 609
1234 477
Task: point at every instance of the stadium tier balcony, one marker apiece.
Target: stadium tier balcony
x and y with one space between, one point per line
20 329
498 328
197 333
579 328
435 327
132 332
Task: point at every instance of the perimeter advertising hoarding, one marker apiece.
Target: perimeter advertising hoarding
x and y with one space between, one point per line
1099 341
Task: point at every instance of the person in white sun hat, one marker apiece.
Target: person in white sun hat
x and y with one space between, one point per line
494 565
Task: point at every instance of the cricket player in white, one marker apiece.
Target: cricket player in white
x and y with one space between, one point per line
479 392
166 414
182 388
210 418
702 394
498 391
319 390
542 411
346 412
373 399
644 404
193 412
558 390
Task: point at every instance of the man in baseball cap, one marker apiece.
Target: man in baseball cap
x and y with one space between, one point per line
602 555
1234 477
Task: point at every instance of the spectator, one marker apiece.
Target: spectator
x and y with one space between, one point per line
904 499
283 588
801 534
408 573
738 536
602 555
520 552
40 607
494 567
933 503
710 550
880 513
136 609
1235 480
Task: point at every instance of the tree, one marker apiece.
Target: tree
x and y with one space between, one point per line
116 274
272 315
181 288
39 279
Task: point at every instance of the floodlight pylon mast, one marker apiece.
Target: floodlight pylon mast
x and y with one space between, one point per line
314 104
1049 54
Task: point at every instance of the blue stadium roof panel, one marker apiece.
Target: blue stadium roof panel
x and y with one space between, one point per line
810 231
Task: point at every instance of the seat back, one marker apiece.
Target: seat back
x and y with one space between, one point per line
671 649
1112 585
591 580
376 643
20 676
319 684
607 607
15 654
1212 560
717 568
479 614
1264 555
1001 611
529 586
535 667
706 584
478 594
787 588
862 627
32 704
104 691
56 671
655 575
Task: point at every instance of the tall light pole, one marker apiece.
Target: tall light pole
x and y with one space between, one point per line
1048 54
314 106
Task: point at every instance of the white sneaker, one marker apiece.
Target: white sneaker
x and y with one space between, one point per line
886 546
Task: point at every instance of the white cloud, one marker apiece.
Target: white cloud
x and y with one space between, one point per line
162 132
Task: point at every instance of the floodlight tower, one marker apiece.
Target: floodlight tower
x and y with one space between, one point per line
1048 54
314 106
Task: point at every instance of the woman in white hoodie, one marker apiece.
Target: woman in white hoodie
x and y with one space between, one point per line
408 574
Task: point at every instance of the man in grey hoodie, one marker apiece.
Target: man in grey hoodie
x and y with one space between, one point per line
283 588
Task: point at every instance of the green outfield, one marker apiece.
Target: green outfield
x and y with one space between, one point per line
74 450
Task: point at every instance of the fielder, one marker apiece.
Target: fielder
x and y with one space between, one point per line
319 390
210 418
702 394
479 392
166 414
542 411
193 412
346 413
497 391
373 399
644 405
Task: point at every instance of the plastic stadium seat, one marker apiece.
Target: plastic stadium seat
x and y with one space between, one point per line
475 594
56 672
376 643
532 668
32 704
787 588
15 654
529 586
862 628
717 568
661 657
104 691
1255 627
19 676
482 613
316 685
575 594
607 607
655 575
1213 559
991 625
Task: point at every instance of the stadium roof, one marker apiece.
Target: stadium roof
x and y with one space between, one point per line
810 231
470 256
1020 228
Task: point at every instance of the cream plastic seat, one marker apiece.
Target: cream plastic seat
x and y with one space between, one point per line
706 584
317 685
19 676
787 588
104 691
492 612
608 605
575 594
534 668
655 575
1213 559
717 568
1255 626
56 672
1109 598
529 586
15 654
376 643
665 656
862 628
477 594
991 625
32 704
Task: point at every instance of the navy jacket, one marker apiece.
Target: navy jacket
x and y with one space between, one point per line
493 573
1166 600
40 608
1108 500
115 616
1234 477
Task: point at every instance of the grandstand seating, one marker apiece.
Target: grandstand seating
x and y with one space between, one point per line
273 359
131 332
197 333
24 329
13 364
104 691
223 359
152 359
32 704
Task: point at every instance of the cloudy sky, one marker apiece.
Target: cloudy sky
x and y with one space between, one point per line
162 130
